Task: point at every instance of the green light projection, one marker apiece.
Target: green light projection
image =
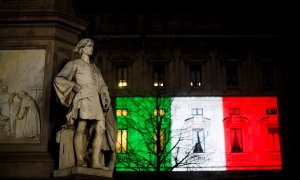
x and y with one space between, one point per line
144 125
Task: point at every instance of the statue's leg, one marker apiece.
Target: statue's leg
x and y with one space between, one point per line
80 143
97 144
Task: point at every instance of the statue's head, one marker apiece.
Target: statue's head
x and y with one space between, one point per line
4 88
82 43
22 94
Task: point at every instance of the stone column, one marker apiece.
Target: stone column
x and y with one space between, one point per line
36 39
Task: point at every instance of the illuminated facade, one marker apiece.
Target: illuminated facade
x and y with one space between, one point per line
142 130
251 133
199 120
206 133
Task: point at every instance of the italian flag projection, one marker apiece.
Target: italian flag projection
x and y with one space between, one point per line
210 133
144 130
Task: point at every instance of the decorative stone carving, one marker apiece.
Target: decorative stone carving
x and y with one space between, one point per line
29 114
21 95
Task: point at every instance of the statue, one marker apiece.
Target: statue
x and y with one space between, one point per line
80 86
19 116
29 113
5 98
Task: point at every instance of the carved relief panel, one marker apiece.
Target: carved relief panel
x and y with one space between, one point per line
21 95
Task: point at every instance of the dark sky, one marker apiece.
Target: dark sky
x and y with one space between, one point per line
269 16
262 7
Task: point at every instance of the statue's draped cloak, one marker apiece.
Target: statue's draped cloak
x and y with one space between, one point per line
86 103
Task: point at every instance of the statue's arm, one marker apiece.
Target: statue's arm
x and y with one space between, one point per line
103 92
64 85
22 111
105 98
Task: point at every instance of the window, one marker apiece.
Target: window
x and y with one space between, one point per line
121 146
197 111
122 76
236 140
267 75
231 75
198 140
273 139
160 113
195 76
122 112
271 111
162 140
158 75
234 111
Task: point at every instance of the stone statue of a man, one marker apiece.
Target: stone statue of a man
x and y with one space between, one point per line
80 86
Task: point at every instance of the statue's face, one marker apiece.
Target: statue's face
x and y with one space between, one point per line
88 49
21 95
4 89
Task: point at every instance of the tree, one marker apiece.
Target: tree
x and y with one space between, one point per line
146 140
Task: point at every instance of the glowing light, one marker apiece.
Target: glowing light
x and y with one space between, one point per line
122 112
196 84
121 145
123 83
161 112
119 112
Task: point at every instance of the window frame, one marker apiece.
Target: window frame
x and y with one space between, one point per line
271 111
197 110
241 145
120 150
123 76
162 141
275 139
195 70
201 141
230 74
121 112
268 74
159 70
234 111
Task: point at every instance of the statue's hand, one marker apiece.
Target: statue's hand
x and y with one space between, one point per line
76 87
70 122
105 107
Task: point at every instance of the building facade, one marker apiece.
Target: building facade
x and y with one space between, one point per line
233 71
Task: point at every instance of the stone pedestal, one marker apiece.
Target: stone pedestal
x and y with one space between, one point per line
66 148
67 169
82 171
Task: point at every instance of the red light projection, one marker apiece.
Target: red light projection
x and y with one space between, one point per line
251 133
